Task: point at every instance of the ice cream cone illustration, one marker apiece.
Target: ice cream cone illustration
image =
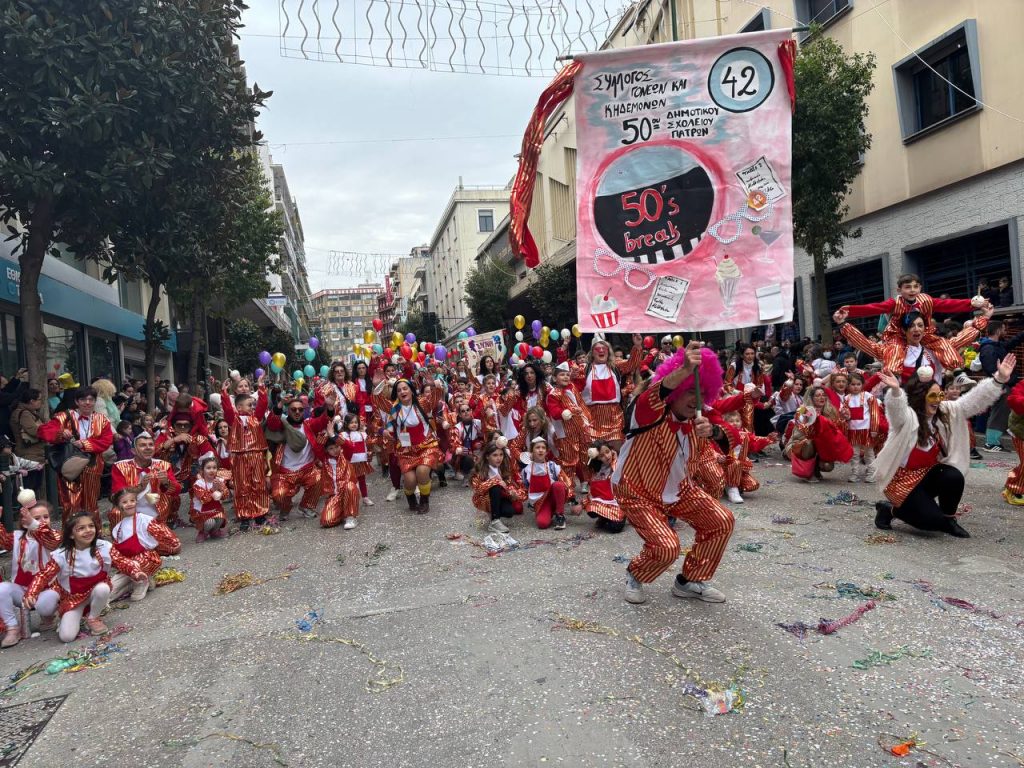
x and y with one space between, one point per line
728 276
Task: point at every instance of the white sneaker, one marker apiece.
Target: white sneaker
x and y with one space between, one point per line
733 494
869 475
308 514
459 476
497 526
854 477
393 495
634 591
350 523
699 590
368 502
139 591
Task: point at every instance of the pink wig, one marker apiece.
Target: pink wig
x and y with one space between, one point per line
710 374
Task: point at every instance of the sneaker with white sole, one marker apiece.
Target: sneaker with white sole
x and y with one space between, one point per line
392 495
634 591
350 523
699 590
732 493
308 514
497 526
993 448
368 501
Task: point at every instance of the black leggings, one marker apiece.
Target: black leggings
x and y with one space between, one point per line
944 483
464 463
501 505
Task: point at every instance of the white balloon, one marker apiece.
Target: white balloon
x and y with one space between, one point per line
565 333
546 357
519 335
515 359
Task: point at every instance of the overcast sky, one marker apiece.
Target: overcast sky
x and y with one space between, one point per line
378 196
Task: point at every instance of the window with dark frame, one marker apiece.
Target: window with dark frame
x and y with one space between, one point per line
956 266
947 88
757 24
819 11
856 284
485 220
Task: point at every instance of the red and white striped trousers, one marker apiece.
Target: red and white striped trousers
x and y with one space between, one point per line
1015 480
284 484
711 522
249 473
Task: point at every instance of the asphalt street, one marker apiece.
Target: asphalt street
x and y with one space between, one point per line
429 652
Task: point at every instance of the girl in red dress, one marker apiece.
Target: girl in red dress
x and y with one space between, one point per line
357 452
496 488
600 502
206 510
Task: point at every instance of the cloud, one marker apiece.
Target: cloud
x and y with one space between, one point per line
381 197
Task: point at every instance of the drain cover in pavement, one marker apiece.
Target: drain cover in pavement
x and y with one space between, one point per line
21 725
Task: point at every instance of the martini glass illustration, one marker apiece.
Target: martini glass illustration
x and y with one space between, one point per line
768 237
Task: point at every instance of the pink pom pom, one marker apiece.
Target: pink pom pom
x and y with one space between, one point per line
710 374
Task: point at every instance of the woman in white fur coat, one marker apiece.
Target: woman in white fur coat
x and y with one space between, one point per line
927 452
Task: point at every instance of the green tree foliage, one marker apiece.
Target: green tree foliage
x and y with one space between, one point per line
103 102
246 340
487 290
829 139
553 295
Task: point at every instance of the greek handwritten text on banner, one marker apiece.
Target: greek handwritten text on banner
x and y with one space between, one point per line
683 192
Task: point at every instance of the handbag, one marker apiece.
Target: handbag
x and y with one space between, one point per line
69 460
802 468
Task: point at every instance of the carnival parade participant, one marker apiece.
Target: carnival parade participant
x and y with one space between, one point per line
926 453
183 448
865 427
600 388
600 502
142 539
912 300
90 434
497 491
529 391
652 480
30 544
248 446
741 443
207 496
816 440
547 486
572 426
80 570
467 441
356 450
294 466
339 482
153 479
416 444
745 370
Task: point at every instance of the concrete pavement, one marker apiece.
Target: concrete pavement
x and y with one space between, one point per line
485 672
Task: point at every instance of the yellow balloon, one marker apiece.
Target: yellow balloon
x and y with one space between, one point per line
279 359
677 341
396 339
519 321
544 341
299 383
545 332
369 336
576 330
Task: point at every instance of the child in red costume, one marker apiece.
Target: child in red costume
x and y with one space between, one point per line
738 478
912 300
497 491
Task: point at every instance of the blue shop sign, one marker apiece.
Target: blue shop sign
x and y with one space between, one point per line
62 300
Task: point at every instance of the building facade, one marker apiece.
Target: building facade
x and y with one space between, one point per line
940 194
289 301
468 220
411 284
386 304
344 314
92 328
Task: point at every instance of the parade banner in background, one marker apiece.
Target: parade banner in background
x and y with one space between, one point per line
684 214
491 343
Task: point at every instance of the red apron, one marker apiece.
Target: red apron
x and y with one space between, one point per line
24 578
539 483
856 412
601 490
602 390
923 459
80 584
130 546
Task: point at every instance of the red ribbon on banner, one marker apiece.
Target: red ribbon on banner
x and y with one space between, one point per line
519 236
787 58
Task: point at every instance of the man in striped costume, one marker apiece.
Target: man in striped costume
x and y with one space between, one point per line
653 478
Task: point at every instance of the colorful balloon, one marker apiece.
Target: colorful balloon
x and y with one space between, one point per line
296 374
463 336
519 335
378 324
471 331
264 357
440 353
648 342
410 338
428 348
554 335
406 352
523 349
275 368
519 321
677 341
546 357
309 371
576 330
259 373
378 349
279 359
309 354
565 333
325 370
544 341
396 339
536 326
299 382
537 352
369 336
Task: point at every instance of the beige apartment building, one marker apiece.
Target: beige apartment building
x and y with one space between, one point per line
942 188
469 218
344 314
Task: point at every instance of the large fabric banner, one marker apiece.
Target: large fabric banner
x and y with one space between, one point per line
491 343
684 214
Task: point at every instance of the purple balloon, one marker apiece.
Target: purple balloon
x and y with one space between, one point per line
471 332
536 325
265 357
440 353
259 372
314 342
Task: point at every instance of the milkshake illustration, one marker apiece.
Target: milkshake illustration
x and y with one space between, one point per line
728 276
604 311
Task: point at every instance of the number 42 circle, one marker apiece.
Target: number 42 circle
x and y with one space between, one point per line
741 79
